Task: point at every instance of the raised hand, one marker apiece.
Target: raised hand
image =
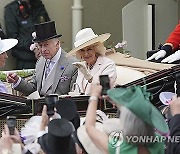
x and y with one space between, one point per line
83 69
12 78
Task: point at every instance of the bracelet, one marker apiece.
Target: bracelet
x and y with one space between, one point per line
93 98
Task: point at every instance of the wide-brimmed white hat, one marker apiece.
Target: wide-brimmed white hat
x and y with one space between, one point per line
87 37
7 44
108 126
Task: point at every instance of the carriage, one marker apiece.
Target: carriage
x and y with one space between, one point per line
131 71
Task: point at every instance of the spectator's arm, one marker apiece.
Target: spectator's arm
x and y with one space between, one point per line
99 138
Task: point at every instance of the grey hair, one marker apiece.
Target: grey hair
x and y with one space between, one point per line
132 125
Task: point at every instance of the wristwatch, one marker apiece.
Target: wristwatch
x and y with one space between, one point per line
93 98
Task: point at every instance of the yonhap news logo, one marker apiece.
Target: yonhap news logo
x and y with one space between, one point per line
115 139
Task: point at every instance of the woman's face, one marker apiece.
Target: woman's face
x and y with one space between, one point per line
88 54
3 58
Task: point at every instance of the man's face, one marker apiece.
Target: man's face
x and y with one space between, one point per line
49 48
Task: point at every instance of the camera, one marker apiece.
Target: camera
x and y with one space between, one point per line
11 122
50 101
105 83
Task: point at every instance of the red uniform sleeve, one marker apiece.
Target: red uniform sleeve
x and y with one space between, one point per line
174 38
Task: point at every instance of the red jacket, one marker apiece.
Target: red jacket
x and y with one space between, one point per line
174 38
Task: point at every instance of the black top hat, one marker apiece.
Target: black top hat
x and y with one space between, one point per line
45 31
67 109
58 139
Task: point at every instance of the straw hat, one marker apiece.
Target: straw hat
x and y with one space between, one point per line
108 126
87 37
7 44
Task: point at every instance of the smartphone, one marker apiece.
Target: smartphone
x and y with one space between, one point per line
11 122
105 83
50 101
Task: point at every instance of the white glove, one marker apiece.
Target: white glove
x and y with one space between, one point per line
33 35
83 69
157 55
33 46
174 57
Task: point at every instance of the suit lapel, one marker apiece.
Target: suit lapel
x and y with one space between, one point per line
97 66
40 73
47 83
94 70
60 68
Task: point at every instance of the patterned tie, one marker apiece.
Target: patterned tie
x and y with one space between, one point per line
48 69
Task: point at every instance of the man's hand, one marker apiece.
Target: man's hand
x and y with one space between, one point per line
174 57
12 78
157 55
82 67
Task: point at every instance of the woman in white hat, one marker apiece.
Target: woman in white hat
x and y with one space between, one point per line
5 45
89 48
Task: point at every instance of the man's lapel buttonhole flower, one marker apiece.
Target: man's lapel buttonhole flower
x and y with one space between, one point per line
61 67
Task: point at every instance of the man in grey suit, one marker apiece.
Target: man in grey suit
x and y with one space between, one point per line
54 72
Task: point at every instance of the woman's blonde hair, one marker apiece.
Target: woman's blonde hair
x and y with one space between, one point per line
99 48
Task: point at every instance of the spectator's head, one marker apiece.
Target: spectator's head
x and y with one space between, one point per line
135 106
84 141
47 39
58 139
6 45
67 109
88 45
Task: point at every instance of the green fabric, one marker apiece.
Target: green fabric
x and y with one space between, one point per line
126 148
136 99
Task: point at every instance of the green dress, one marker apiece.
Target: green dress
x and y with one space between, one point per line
127 148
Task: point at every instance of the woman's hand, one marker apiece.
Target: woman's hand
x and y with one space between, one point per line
96 90
83 69
6 141
45 119
16 137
